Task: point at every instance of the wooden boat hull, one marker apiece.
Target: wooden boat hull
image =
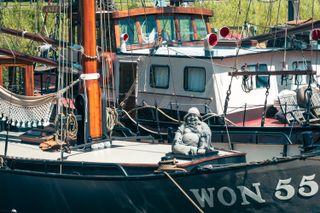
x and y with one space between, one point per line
282 185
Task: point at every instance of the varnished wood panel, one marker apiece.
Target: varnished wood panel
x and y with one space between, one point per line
161 10
29 80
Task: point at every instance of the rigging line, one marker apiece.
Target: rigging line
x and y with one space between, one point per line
71 51
153 107
104 48
149 54
8 123
268 20
142 127
103 64
9 46
131 50
183 192
242 31
169 58
60 35
274 40
236 19
312 27
173 84
216 82
44 19
110 50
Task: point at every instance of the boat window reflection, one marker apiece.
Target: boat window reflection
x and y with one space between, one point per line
201 28
168 29
186 32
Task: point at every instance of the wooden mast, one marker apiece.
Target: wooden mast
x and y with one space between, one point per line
90 66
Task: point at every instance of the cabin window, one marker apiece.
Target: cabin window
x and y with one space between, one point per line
301 65
129 26
159 76
13 79
261 81
194 79
186 30
201 28
168 32
148 29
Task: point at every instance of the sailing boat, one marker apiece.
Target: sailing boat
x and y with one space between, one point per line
128 178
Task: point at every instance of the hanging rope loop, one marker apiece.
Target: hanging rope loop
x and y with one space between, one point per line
111 118
72 126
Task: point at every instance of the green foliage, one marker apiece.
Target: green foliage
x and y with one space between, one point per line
262 13
23 16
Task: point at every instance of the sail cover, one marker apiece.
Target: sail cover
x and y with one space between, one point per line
25 110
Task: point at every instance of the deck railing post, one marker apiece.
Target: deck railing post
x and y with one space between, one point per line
244 115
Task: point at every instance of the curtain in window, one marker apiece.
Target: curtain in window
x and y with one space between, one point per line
196 79
159 77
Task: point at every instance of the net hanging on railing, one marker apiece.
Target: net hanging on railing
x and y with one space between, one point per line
26 110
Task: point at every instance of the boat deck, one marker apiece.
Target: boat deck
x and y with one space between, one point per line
122 152
269 122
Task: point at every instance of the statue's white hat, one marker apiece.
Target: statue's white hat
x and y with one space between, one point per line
193 110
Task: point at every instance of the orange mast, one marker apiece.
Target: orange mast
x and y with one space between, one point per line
90 66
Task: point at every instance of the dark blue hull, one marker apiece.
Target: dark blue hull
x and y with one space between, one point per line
289 185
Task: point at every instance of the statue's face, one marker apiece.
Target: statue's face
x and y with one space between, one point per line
192 119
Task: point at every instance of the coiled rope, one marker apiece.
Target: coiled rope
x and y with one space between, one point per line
111 118
72 126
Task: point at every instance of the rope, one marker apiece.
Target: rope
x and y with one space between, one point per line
183 192
1 162
142 127
111 118
72 126
210 115
153 107
169 165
